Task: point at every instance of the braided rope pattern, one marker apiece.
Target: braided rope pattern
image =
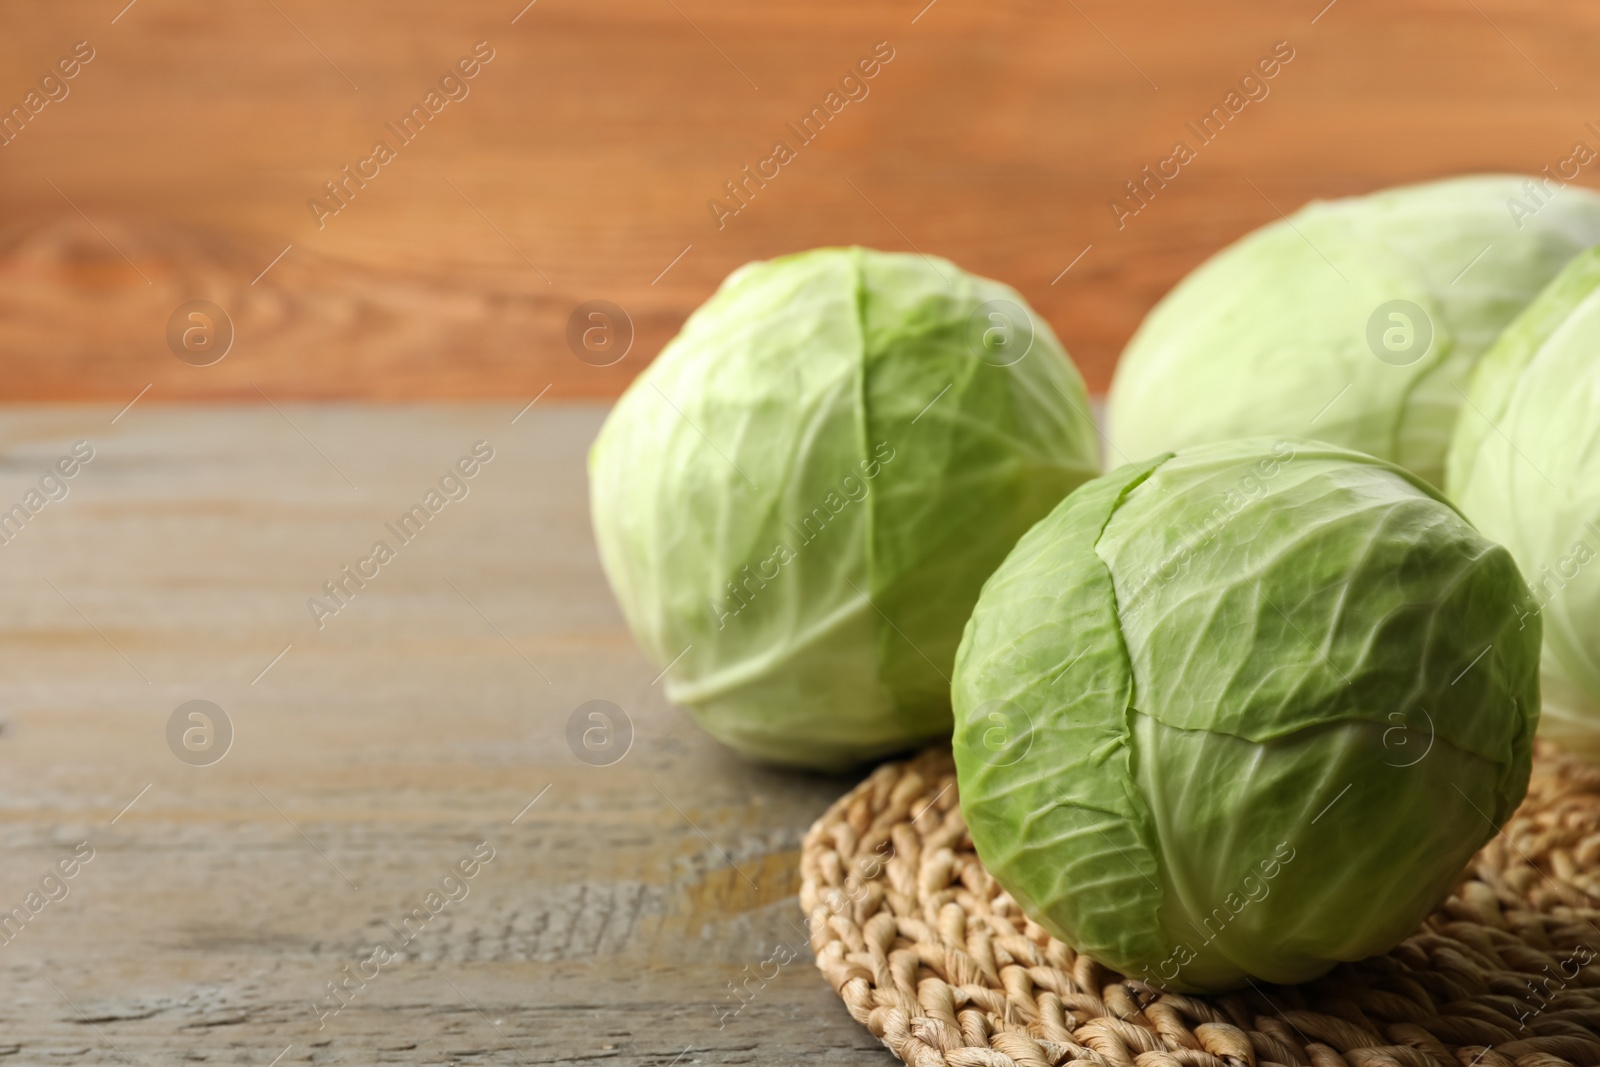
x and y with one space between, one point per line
943 967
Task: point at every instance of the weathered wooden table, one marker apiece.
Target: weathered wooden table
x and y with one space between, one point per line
232 883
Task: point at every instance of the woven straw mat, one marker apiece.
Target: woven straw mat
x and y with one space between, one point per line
944 968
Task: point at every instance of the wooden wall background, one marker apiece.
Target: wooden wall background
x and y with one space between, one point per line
580 165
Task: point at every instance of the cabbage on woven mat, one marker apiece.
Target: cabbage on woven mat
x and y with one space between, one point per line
1244 711
937 961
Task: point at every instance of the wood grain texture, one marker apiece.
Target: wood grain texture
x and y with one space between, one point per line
376 752
580 165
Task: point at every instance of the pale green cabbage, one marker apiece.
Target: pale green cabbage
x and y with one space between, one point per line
798 501
1295 330
1525 468
1244 711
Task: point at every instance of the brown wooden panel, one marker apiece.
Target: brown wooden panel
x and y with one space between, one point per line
583 157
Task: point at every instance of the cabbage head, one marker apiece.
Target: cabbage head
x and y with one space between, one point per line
797 503
1525 468
1244 711
1353 321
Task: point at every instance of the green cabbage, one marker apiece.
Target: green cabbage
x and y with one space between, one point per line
797 503
1244 711
1525 468
1354 321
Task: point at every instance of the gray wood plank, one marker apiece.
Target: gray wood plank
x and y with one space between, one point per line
369 756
